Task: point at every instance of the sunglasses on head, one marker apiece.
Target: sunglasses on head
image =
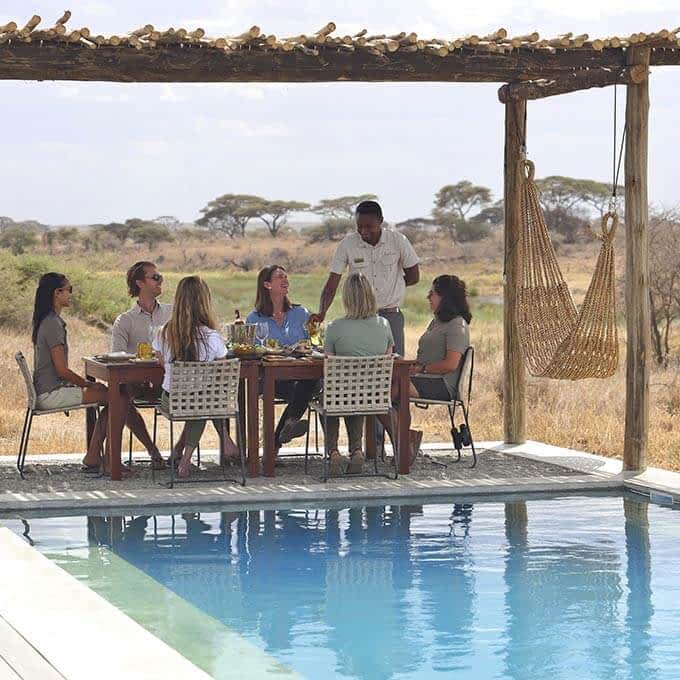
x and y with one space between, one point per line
156 277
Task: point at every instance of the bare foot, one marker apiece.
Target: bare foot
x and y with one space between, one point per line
184 468
231 453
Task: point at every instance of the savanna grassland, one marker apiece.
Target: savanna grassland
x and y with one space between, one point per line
586 415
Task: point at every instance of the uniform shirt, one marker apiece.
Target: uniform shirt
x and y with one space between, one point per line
383 264
51 332
291 331
359 337
437 340
211 348
133 326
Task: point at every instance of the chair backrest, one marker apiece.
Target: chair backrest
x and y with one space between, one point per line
467 367
204 389
357 384
31 397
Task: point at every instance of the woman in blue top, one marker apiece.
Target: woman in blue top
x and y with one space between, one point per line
287 325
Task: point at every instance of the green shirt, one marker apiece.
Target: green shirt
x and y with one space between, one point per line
359 337
438 339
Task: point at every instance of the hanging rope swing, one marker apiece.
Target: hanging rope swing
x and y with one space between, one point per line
559 341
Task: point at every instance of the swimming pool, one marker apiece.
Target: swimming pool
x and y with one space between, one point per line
566 587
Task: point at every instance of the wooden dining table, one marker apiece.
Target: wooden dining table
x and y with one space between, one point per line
121 376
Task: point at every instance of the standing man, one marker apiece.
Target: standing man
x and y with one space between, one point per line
385 257
144 283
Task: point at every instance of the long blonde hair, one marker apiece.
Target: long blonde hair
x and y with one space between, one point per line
192 309
358 297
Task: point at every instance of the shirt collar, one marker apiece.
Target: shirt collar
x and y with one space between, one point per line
138 308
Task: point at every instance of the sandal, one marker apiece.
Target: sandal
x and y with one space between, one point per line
337 463
356 462
90 469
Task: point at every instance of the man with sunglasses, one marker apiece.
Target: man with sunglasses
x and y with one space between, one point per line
144 283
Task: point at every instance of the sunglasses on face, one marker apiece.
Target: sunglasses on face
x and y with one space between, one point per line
155 277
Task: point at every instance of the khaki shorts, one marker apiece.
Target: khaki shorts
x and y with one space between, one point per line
61 398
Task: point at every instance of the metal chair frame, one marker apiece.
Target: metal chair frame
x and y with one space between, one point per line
355 386
461 400
33 411
205 390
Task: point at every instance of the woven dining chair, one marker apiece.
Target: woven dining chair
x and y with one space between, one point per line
32 411
355 386
462 435
205 390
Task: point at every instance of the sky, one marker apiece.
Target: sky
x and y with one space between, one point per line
78 153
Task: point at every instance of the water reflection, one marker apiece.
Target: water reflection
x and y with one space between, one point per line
412 591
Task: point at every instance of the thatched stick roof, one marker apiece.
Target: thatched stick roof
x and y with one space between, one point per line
147 54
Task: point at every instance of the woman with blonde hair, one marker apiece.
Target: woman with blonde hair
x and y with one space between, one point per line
191 335
361 332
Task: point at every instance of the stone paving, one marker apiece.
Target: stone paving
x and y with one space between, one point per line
57 483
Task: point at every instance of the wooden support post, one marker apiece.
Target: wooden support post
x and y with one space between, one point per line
637 269
514 377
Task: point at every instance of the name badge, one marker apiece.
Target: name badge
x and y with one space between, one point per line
358 260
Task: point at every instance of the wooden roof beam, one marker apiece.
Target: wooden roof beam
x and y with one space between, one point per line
584 80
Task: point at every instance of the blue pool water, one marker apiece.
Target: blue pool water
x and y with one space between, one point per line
577 587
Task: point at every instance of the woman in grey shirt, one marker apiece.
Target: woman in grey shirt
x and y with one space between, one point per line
441 347
56 385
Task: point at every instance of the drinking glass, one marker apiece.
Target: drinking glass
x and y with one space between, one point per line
262 332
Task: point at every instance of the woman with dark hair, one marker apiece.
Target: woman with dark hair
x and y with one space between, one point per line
56 385
441 347
286 323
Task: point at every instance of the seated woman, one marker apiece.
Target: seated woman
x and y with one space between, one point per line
56 385
441 347
287 326
360 333
191 335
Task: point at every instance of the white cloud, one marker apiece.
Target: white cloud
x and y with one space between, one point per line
170 94
240 128
151 147
113 98
66 91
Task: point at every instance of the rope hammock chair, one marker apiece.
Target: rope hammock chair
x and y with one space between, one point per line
557 340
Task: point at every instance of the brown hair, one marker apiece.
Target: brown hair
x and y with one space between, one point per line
454 298
191 310
263 298
136 273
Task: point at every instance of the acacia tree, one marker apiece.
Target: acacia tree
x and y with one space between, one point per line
274 214
568 202
342 207
230 213
454 202
664 279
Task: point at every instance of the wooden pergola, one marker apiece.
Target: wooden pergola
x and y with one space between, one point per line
530 68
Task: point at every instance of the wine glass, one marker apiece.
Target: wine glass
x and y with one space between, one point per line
262 332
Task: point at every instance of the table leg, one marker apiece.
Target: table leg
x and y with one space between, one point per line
268 423
253 427
90 421
369 433
404 382
118 407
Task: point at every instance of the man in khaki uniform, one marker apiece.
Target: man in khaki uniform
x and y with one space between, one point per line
385 257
